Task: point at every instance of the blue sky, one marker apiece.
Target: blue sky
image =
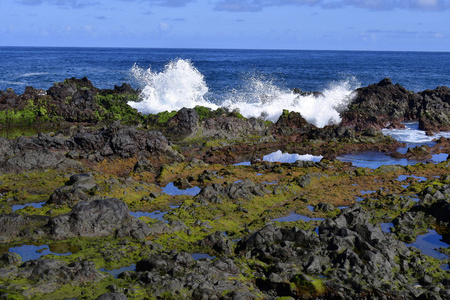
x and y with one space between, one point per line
406 25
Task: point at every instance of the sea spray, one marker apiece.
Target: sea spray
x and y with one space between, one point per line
182 85
179 85
261 98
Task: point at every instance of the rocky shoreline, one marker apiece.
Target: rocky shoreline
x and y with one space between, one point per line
100 170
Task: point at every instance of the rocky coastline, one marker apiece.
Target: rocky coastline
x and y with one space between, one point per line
84 177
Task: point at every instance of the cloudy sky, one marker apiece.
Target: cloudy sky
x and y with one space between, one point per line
406 25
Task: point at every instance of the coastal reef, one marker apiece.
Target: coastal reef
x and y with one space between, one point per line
99 201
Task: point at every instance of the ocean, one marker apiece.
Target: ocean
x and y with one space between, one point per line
258 83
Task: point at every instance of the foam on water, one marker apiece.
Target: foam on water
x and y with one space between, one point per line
33 74
278 156
182 85
412 134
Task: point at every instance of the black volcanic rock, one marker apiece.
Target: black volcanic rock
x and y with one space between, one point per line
435 113
385 104
379 104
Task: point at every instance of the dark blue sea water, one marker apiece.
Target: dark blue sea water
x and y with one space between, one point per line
223 70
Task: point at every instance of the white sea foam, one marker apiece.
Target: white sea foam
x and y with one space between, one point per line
32 74
261 98
278 156
179 85
182 85
412 134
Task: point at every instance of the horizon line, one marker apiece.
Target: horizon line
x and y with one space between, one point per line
236 49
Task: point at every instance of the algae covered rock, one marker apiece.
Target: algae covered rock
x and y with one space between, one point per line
75 191
90 219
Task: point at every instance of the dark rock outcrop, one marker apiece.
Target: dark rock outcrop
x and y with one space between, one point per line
47 275
435 113
76 190
44 151
385 104
349 250
98 218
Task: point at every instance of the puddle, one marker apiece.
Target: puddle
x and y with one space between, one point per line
259 174
439 157
270 183
386 227
359 199
310 207
158 215
244 163
35 205
445 267
116 272
171 189
31 252
404 177
366 192
374 160
198 256
412 136
278 156
427 243
296 217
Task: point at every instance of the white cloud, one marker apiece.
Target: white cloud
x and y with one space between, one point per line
163 27
258 5
60 3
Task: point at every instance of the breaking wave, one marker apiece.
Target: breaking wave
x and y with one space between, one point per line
32 74
180 85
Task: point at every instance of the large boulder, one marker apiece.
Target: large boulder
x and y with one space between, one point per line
76 190
90 219
435 114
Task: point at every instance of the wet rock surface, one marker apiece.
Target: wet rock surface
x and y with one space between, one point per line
92 195
381 104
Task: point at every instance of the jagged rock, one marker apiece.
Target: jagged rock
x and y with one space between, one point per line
50 274
9 259
75 191
219 242
184 123
90 219
15 225
143 165
112 296
292 122
435 115
324 207
244 190
44 151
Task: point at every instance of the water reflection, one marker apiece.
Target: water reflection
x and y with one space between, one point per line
35 205
171 189
428 243
32 252
116 272
296 217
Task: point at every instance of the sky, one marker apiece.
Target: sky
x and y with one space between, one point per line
387 25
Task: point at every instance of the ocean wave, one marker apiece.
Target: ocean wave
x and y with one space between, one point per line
180 85
32 74
12 82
